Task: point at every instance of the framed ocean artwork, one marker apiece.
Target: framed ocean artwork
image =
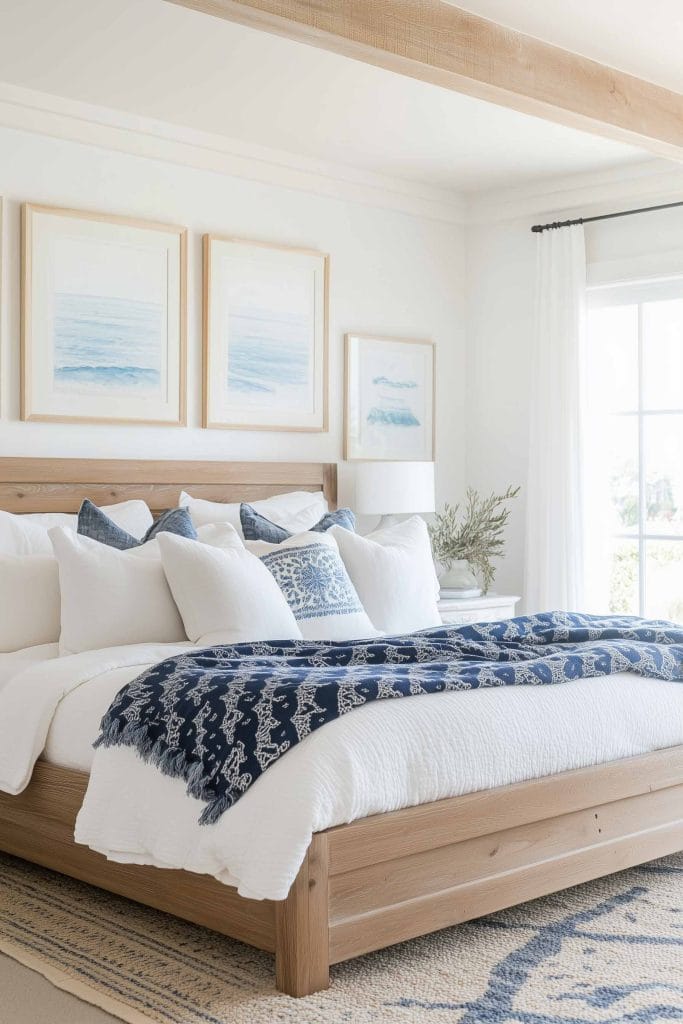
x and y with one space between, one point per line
103 318
389 399
265 336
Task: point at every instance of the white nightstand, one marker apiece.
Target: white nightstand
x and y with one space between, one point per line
461 611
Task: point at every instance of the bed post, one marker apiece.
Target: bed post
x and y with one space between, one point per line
302 953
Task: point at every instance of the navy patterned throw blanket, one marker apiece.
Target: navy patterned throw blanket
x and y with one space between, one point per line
219 717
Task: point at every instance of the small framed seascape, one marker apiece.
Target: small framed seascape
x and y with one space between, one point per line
103 318
265 336
389 399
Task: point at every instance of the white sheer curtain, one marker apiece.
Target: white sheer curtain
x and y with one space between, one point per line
554 538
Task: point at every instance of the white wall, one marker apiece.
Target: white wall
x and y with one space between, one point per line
403 273
390 272
500 280
500 289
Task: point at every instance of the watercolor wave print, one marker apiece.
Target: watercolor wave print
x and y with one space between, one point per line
269 358
390 408
105 344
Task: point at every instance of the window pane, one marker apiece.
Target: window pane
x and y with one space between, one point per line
663 447
623 584
619 468
612 377
664 580
663 354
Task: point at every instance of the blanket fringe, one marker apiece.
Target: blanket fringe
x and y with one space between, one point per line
170 761
215 809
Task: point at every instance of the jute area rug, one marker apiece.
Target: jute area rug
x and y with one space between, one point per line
610 951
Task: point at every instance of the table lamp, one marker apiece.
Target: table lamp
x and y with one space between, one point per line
391 489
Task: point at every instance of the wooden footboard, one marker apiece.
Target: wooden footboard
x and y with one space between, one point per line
390 877
38 825
399 875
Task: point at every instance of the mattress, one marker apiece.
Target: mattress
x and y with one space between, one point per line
380 757
53 705
16 661
76 722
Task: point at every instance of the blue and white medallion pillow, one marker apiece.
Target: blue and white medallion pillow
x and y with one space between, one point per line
310 573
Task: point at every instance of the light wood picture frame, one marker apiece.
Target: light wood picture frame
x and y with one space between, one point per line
265 331
104 318
389 399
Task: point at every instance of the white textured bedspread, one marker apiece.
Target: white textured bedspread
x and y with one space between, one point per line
40 692
380 757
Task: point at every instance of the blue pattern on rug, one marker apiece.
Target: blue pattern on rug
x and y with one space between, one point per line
518 978
219 717
606 952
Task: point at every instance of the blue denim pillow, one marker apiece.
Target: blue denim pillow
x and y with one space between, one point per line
94 523
257 527
173 520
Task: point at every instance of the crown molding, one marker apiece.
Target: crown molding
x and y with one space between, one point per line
591 193
72 120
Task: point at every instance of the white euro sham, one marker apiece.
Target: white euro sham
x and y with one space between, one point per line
296 511
393 571
225 595
29 601
111 598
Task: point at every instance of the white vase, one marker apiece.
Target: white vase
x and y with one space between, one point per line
459 576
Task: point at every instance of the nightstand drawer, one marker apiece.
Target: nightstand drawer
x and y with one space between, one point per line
455 618
462 612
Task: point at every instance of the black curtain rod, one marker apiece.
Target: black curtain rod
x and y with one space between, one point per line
602 216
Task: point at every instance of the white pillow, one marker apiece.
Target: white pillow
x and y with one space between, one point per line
310 573
225 594
27 534
295 512
21 537
29 601
393 572
109 597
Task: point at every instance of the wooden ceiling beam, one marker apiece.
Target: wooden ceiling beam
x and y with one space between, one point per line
436 42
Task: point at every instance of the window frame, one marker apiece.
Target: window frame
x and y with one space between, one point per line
637 293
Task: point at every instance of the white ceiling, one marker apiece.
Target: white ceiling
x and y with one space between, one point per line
153 59
642 37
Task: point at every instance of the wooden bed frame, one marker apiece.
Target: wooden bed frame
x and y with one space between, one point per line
378 880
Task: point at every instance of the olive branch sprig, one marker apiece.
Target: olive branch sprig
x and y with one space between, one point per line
476 533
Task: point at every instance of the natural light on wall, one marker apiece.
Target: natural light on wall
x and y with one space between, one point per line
634 449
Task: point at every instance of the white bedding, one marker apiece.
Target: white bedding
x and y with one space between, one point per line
31 698
380 757
16 661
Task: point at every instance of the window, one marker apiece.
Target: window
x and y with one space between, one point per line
633 452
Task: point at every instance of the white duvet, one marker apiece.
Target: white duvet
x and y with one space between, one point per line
380 757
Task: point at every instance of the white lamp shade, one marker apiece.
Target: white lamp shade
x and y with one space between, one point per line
394 488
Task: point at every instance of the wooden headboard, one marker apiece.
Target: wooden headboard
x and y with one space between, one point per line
60 485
